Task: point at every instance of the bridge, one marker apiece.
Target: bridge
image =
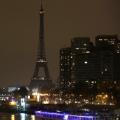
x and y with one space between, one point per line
64 116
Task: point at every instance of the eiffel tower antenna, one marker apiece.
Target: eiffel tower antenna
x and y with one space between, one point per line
41 4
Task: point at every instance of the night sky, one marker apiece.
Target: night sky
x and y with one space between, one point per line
64 19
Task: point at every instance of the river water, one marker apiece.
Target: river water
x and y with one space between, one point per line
21 116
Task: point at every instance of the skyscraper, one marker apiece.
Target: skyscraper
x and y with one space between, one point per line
117 62
78 64
106 46
65 67
86 64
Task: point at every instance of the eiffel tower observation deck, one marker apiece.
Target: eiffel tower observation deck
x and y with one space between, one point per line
41 77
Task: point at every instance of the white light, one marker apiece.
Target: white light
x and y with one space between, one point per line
42 12
100 39
77 48
87 51
22 116
41 61
65 117
85 44
106 69
105 39
73 64
45 102
118 51
85 62
32 117
12 117
42 78
28 97
38 97
22 102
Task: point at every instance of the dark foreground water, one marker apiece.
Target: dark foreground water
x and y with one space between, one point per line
21 116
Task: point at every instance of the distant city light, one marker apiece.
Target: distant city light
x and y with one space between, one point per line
32 117
77 48
23 116
12 102
12 117
85 62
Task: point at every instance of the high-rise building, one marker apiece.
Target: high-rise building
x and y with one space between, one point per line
65 67
117 62
86 64
78 63
106 50
84 58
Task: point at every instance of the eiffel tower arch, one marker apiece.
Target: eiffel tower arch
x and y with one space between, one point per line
41 77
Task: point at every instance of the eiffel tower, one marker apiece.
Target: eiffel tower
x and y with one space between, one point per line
41 77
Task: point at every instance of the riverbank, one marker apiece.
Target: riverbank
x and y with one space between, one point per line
44 111
61 108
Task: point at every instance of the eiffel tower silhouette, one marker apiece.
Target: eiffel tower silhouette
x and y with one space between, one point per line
41 77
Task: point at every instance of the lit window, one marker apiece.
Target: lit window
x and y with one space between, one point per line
85 62
106 69
77 48
12 117
73 64
105 39
85 44
118 51
87 51
112 42
115 82
92 82
100 39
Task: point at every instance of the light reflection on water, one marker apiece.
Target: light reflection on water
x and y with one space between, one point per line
21 116
12 117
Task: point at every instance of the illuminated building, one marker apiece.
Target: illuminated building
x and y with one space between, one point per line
65 67
104 99
106 48
12 102
78 64
4 94
87 69
84 65
13 88
117 62
84 62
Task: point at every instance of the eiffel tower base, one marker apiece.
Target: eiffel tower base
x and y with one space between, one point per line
40 84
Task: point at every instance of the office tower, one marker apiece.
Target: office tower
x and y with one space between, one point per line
84 60
117 62
65 67
78 64
106 46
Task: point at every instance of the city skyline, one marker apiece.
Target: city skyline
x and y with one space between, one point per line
63 21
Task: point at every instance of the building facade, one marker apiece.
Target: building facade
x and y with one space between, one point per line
84 63
106 46
78 64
